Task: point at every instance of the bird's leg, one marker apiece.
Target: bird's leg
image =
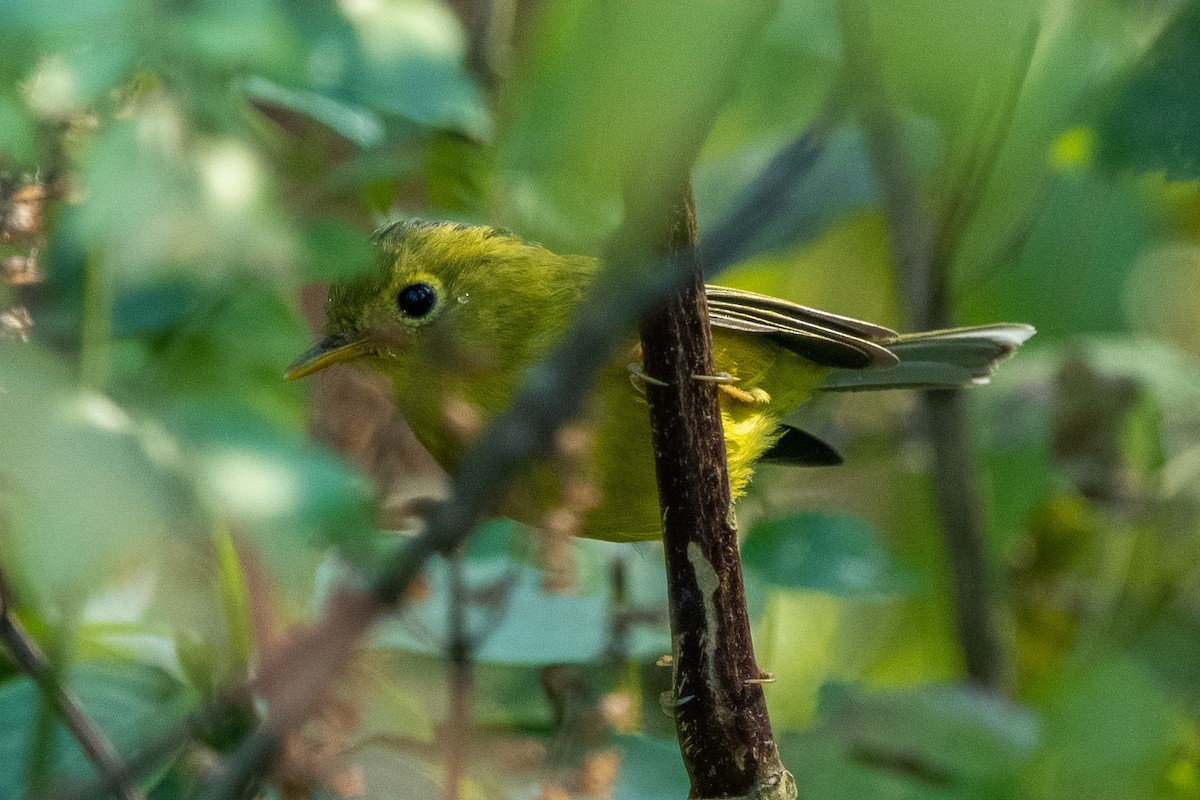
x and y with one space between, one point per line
639 378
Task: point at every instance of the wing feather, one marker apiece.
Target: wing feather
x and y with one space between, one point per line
829 340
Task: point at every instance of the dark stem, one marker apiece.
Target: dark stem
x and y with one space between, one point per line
958 507
922 255
458 723
28 658
720 712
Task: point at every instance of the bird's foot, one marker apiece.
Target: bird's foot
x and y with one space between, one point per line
751 397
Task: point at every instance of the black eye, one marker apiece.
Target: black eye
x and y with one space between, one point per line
416 300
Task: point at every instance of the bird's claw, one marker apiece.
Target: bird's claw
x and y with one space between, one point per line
638 378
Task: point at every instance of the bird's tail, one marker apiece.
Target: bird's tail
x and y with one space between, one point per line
937 359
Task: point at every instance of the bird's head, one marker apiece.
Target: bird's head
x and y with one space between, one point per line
448 298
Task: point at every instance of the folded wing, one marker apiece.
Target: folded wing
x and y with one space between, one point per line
866 356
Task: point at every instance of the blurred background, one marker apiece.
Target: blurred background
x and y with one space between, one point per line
180 181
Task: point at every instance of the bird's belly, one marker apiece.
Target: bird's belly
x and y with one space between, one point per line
600 482
603 482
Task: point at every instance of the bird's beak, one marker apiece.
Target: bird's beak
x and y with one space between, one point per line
333 349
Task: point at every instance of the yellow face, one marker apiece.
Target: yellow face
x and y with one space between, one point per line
450 302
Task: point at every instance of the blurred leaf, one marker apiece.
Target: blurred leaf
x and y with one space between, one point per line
402 57
815 272
1154 124
1069 276
127 702
387 773
394 709
836 553
927 742
286 493
496 538
1108 733
527 626
578 133
231 583
1169 649
205 206
834 177
60 442
150 308
789 72
953 61
248 34
1160 296
357 125
232 347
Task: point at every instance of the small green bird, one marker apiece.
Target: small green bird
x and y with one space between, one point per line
453 314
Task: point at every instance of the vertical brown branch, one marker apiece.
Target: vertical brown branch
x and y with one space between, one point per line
924 281
720 713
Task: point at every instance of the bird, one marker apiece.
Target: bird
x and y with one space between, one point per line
453 314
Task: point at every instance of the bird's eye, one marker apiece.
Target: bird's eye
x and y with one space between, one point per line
416 300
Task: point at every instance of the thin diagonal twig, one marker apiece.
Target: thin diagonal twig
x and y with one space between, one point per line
29 659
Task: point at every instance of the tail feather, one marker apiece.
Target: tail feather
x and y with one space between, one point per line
937 359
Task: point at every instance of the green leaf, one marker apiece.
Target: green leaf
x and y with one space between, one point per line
836 179
357 125
1090 227
402 58
205 207
787 76
130 704
228 347
836 553
929 742
1154 125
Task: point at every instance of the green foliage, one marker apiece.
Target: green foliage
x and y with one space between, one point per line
131 703
63 442
1152 125
932 742
837 554
164 517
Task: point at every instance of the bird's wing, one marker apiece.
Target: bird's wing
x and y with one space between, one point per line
938 359
829 340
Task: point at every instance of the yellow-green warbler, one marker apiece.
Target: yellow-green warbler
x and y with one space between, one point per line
453 314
